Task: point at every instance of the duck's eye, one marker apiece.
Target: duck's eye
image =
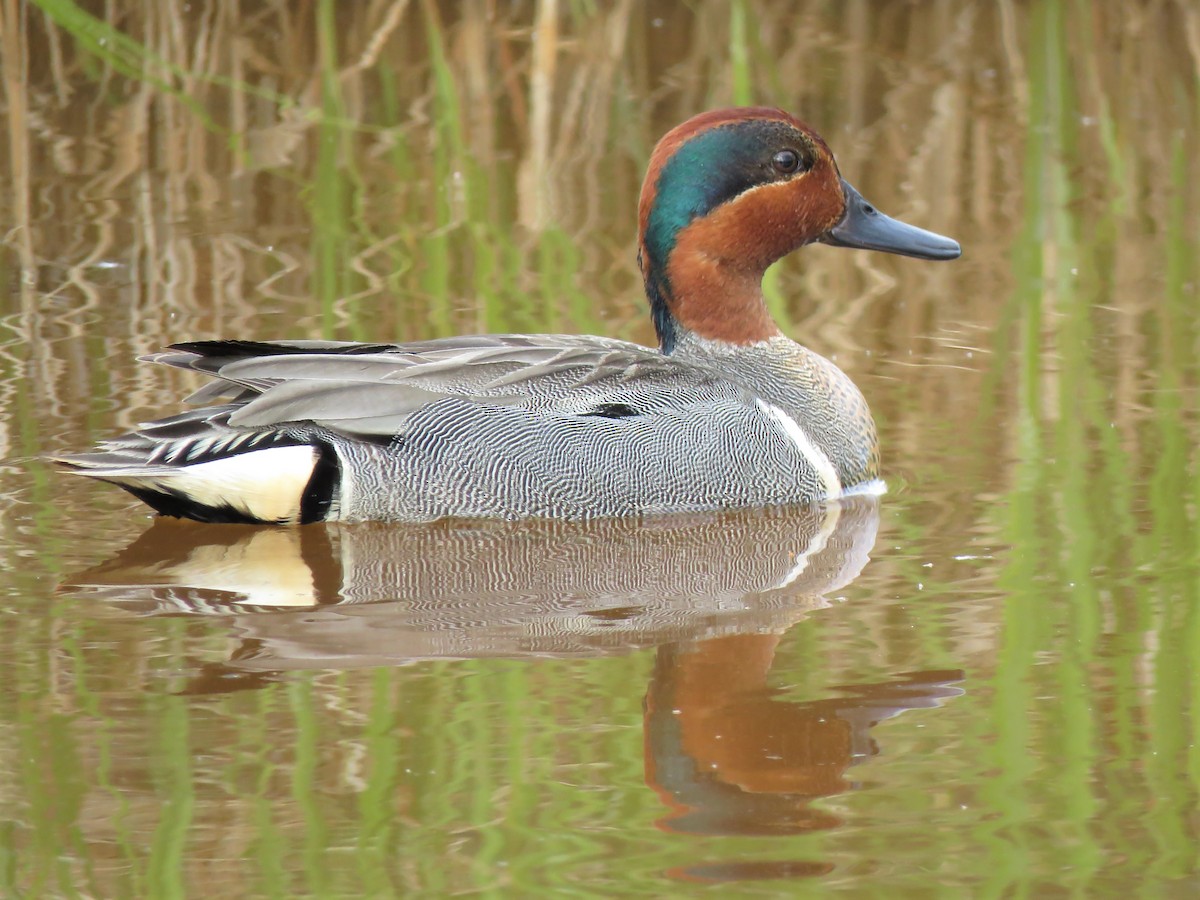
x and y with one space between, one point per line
786 161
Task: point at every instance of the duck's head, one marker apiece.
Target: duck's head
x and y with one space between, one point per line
729 192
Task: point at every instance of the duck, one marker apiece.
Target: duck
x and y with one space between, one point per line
726 412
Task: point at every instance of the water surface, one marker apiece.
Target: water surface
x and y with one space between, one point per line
980 684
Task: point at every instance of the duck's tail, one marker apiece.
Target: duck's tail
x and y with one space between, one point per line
191 466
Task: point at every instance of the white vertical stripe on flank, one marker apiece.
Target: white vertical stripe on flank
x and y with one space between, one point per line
810 451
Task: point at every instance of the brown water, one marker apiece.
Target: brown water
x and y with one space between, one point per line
981 684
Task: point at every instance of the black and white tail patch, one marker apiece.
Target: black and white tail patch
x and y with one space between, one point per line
249 477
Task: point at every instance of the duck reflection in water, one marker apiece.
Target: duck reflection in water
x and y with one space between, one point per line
712 592
730 757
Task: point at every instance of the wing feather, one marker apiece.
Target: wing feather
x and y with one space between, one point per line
373 389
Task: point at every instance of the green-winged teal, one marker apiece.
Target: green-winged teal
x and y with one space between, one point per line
726 412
